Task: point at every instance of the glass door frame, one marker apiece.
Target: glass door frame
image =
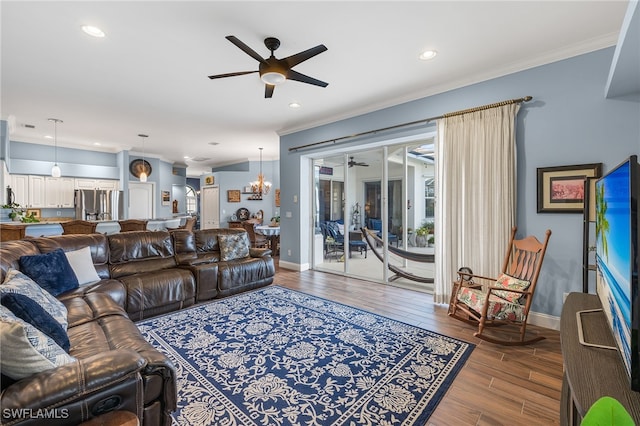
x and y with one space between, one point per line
384 147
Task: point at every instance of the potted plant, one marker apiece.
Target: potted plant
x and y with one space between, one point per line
421 237
30 218
423 232
16 212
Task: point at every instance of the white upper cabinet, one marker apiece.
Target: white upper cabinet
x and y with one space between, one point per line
20 187
59 192
37 192
97 184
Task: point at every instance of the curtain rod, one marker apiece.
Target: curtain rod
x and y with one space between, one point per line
411 123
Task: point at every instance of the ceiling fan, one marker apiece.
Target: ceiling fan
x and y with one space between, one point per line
352 163
274 71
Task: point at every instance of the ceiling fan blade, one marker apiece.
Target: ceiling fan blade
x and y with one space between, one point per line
294 60
294 75
268 90
231 74
246 49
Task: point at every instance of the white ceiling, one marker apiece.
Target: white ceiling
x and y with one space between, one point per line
149 74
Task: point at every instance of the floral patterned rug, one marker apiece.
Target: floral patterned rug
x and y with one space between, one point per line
276 356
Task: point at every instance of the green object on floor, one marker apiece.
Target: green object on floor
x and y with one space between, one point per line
607 411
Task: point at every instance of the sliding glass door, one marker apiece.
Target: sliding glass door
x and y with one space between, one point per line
389 191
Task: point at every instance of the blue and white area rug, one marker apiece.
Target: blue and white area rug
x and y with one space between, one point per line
276 356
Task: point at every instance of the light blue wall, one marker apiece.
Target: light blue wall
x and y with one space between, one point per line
227 180
568 122
34 159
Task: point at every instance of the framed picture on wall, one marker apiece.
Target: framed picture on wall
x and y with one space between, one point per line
209 180
166 198
34 212
561 189
278 197
233 195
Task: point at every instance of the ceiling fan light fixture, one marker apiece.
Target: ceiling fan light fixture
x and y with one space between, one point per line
273 78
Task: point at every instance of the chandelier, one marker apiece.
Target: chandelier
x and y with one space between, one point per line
260 186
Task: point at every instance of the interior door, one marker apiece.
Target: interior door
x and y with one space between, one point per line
210 205
141 200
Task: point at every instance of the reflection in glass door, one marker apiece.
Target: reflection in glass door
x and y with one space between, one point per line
389 190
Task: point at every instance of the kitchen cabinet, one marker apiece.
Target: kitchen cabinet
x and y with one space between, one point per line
20 187
36 192
59 192
96 184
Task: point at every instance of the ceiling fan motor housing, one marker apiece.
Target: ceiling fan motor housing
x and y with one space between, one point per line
272 43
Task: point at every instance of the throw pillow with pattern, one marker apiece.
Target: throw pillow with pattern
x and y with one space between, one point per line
17 282
25 349
233 246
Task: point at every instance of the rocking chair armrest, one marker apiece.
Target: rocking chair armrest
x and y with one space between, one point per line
474 276
481 277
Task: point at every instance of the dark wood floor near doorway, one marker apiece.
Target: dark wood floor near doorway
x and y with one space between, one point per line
498 385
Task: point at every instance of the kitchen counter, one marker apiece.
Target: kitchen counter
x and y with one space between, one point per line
51 226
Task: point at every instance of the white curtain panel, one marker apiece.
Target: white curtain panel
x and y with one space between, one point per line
476 190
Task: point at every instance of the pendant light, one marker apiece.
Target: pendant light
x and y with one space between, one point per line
143 173
55 170
260 186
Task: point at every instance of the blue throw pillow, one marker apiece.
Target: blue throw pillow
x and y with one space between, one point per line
31 312
51 271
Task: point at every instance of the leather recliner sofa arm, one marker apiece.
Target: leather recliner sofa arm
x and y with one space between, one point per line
259 252
76 392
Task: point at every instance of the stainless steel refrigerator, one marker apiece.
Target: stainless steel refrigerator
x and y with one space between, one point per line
98 204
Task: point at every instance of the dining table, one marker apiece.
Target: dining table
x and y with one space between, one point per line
273 234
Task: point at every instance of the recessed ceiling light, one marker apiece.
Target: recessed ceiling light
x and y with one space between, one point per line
294 105
428 54
97 143
93 31
48 137
214 143
186 157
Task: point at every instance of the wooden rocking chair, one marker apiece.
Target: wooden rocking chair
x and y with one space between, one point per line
487 302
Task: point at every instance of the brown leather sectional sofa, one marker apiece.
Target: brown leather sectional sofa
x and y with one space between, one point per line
143 274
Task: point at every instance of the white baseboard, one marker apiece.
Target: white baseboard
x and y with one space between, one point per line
544 320
294 266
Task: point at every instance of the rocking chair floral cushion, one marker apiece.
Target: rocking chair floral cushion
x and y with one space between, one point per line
508 282
499 308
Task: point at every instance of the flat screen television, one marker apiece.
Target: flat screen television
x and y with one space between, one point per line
617 224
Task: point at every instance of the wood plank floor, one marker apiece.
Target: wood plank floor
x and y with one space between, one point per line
498 385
